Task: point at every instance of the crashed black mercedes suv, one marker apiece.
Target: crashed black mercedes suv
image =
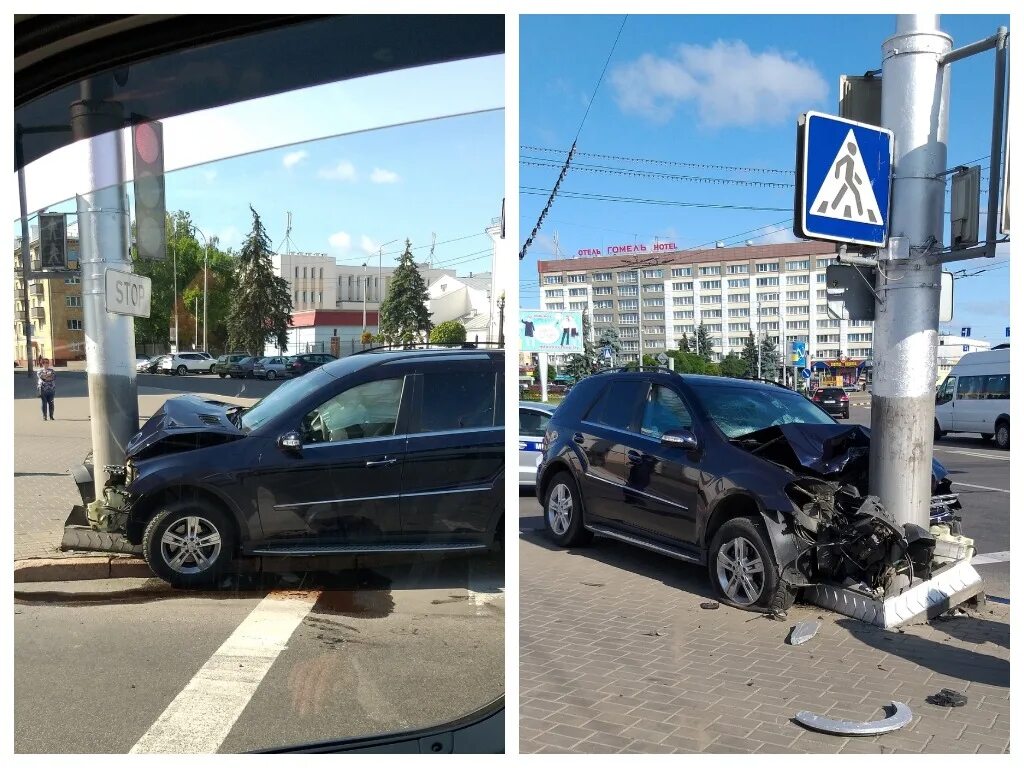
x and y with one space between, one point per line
752 480
380 452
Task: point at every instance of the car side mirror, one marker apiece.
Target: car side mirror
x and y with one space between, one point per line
290 442
680 438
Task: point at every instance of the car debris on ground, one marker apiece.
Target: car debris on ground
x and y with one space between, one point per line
803 631
897 716
947 697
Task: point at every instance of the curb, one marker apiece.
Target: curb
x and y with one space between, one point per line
79 568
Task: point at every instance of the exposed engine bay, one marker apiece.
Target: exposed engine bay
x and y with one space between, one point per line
846 537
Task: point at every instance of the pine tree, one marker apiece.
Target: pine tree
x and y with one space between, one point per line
684 343
771 359
749 356
261 306
702 344
610 338
579 366
404 317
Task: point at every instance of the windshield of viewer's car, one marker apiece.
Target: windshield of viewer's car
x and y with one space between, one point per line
738 411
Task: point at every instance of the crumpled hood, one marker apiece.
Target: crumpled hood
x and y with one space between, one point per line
183 423
825 450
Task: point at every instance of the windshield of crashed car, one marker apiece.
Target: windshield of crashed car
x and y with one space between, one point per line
287 394
738 411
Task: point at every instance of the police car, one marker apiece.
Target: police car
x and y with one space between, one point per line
533 420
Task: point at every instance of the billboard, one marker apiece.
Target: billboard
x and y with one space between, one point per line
554 331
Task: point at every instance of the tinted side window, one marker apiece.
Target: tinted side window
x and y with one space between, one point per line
618 405
663 411
533 423
997 387
946 393
457 400
365 410
970 388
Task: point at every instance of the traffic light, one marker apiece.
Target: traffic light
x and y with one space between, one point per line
150 207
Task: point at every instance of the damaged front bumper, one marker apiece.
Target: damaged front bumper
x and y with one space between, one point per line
109 514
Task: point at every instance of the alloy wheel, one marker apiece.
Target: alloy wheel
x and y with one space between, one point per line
560 509
190 545
740 571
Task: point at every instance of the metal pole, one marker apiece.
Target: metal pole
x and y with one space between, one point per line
759 338
26 252
915 107
542 363
996 152
197 322
104 244
206 271
174 256
364 296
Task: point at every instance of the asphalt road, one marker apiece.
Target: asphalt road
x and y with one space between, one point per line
980 474
133 665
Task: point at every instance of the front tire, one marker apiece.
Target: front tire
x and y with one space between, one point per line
188 543
222 375
743 571
563 512
938 432
271 375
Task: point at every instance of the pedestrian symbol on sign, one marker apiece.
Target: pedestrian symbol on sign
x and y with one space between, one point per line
846 192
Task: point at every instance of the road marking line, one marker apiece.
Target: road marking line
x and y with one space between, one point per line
991 557
202 715
992 455
483 589
982 487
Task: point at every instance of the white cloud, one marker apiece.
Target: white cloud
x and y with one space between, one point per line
776 237
368 245
291 159
726 82
382 176
343 171
209 176
341 240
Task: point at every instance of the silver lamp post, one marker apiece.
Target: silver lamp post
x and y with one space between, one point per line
206 269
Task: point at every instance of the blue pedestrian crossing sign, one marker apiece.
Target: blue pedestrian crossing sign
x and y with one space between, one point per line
844 177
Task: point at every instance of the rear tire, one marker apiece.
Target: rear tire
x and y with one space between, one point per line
271 375
211 369
222 375
1003 435
742 568
188 543
938 432
182 370
563 512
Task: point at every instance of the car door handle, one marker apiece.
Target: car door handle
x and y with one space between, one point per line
635 457
577 437
381 463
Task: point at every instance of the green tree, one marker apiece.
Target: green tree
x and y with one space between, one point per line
609 337
702 343
448 332
261 306
404 317
581 365
771 359
688 362
684 343
749 356
733 365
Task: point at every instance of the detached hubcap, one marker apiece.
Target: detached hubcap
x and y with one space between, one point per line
190 545
560 509
740 571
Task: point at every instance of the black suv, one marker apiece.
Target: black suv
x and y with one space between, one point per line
382 451
750 479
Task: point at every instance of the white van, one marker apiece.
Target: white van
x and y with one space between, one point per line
975 397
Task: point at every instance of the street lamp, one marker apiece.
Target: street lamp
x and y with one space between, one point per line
206 264
364 300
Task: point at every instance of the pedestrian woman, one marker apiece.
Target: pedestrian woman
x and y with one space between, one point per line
46 385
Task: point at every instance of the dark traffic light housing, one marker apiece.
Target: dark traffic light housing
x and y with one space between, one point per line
150 205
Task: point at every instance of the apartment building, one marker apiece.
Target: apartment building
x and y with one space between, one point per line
777 290
54 309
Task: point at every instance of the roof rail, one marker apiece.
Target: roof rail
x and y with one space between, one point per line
429 345
629 368
765 381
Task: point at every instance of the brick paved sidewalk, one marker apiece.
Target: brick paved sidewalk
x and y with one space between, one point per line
44 492
617 656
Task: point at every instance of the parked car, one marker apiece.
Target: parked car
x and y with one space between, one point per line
750 480
186 362
224 363
270 368
242 369
304 363
975 397
833 400
397 451
151 364
533 421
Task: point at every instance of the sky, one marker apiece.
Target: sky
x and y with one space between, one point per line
410 154
704 91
